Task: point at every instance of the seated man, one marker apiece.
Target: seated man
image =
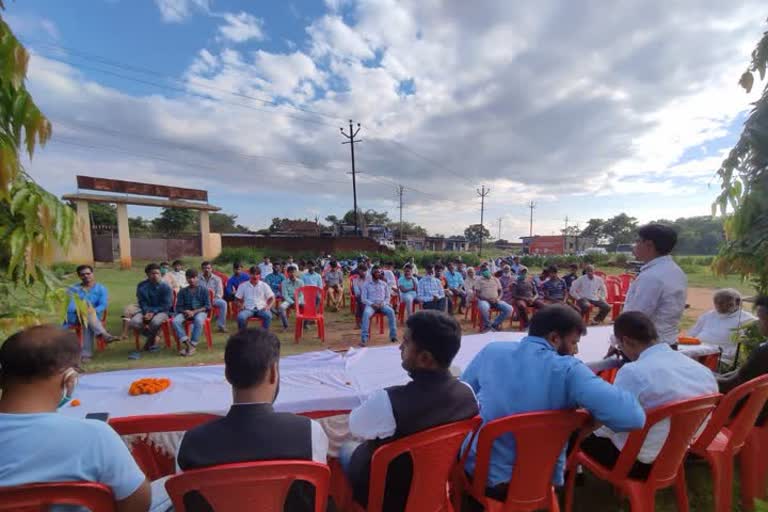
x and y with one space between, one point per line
469 284
539 373
213 283
408 287
357 291
488 291
516 265
312 278
266 267
179 274
155 302
431 293
434 397
572 275
553 289
656 375
192 303
168 276
256 299
375 298
37 445
275 280
455 287
540 279
589 290
334 282
238 277
718 325
288 291
757 363
506 279
94 301
524 296
252 430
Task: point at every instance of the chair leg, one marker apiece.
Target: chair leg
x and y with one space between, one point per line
570 488
751 474
298 330
642 499
681 491
208 334
136 338
381 324
321 329
722 481
554 505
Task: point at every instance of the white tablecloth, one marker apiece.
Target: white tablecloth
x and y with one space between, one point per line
315 381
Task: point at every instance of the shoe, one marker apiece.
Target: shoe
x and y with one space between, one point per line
108 338
184 349
154 348
191 350
85 360
221 329
134 356
495 328
362 344
393 340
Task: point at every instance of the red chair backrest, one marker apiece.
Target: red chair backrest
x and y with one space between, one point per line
256 486
601 274
223 278
626 280
686 416
433 453
539 439
312 307
755 393
39 497
613 290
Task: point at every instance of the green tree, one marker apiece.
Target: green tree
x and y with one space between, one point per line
744 187
225 223
475 233
619 229
409 229
697 235
33 222
103 214
173 221
594 229
139 225
368 217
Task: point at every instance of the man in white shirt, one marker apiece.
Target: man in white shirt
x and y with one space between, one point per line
179 274
661 286
656 375
375 299
256 298
265 267
718 325
589 290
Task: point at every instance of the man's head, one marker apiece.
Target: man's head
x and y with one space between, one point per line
429 270
237 267
362 268
191 275
522 273
450 266
277 268
485 271
553 272
471 271
431 340
310 267
375 273
506 270
726 300
516 259
408 271
85 273
654 240
573 267
561 326
438 271
207 268
634 332
291 269
164 267
266 259
544 273
39 363
334 265
761 310
178 265
254 274
153 272
251 360
590 270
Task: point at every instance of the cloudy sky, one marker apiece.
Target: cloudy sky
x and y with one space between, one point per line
588 107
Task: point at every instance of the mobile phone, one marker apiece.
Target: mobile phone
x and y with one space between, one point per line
101 416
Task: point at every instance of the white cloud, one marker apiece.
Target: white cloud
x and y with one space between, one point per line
241 27
32 26
175 11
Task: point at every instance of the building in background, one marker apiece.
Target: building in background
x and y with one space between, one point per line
556 244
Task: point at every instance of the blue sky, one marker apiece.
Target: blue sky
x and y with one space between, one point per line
588 111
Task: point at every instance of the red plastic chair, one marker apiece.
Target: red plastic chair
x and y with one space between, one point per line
686 416
39 497
626 280
753 466
312 309
711 361
401 311
153 462
540 438
221 276
614 297
601 274
206 326
259 486
100 343
433 453
165 328
726 434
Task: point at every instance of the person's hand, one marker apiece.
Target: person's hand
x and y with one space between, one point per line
613 351
188 314
148 316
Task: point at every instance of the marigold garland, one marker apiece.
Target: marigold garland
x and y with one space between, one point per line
148 386
74 403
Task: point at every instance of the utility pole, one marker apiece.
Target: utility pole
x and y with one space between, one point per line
532 206
565 231
351 141
400 190
499 238
482 193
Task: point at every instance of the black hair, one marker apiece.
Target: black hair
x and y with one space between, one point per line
80 268
334 263
552 269
205 263
237 264
557 318
152 266
177 262
38 352
254 270
248 355
635 325
761 301
439 266
428 269
164 264
436 332
190 273
661 236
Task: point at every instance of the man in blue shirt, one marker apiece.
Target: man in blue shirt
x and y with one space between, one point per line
155 301
454 287
192 303
312 278
95 299
431 293
238 277
539 373
275 279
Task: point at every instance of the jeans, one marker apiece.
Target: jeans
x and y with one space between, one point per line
455 292
222 305
368 312
151 328
603 306
244 315
283 312
197 327
522 305
90 332
438 304
485 307
407 298
346 450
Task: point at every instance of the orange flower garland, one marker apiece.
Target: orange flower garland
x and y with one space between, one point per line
75 403
148 386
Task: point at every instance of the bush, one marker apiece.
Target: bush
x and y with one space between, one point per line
63 269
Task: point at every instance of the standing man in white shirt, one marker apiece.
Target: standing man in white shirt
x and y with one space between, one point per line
265 267
661 287
256 298
589 290
656 375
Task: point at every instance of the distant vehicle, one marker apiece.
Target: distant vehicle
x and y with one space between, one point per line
624 249
595 250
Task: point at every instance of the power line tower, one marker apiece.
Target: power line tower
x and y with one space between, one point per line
499 237
482 193
532 206
351 141
565 231
400 190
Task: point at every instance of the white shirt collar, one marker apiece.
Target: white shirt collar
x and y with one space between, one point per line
656 261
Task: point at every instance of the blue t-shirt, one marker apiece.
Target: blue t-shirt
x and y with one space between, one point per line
50 447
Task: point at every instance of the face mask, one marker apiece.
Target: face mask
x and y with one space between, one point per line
486 273
66 398
163 271
521 277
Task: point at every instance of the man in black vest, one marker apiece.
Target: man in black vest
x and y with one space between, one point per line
434 397
252 430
